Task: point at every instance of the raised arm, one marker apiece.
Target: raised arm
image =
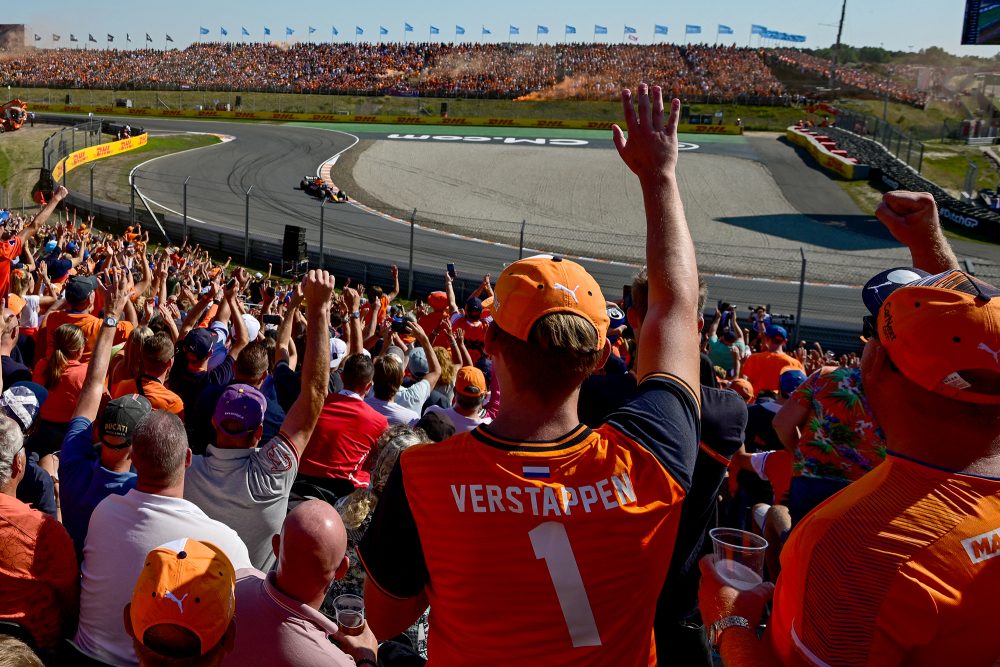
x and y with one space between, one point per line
285 327
912 218
116 290
241 337
355 338
434 366
669 341
32 227
394 270
317 287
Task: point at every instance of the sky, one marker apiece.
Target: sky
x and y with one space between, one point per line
902 25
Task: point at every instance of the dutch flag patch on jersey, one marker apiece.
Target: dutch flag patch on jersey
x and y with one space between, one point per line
536 472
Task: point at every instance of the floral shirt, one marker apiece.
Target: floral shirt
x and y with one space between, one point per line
841 440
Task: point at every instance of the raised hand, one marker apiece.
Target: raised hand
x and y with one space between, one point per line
911 217
352 300
650 150
317 288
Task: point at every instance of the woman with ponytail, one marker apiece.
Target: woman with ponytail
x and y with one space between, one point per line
62 374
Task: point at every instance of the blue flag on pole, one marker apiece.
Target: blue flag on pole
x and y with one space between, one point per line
600 29
797 38
289 32
542 30
629 30
514 30
358 30
692 29
570 30
222 30
487 31
311 30
757 29
244 31
659 29
459 30
407 27
267 31
435 30
334 30
382 30
725 30
202 30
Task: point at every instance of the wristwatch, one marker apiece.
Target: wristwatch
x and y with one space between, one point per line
111 321
356 315
716 629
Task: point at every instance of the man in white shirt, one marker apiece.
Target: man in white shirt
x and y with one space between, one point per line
402 405
123 529
246 486
470 390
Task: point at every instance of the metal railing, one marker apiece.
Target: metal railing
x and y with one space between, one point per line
901 145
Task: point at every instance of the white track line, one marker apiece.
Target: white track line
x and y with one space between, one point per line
225 139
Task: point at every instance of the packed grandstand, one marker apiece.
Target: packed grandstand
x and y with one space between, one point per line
204 464
570 71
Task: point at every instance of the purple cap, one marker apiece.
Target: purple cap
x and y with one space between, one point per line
240 410
199 342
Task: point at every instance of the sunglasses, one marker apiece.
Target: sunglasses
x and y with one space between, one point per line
869 327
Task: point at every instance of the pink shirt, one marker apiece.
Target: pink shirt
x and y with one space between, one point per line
275 630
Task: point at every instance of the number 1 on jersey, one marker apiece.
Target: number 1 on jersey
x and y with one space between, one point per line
551 544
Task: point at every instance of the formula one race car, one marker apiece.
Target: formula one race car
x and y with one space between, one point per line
13 115
317 187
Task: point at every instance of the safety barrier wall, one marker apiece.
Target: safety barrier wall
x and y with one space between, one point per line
374 119
837 164
91 153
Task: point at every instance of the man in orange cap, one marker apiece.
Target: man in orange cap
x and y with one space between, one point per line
183 605
516 522
902 566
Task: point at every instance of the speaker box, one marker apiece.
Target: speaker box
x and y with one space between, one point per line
239 101
69 99
444 109
293 247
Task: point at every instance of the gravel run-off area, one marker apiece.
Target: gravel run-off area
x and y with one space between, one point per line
584 201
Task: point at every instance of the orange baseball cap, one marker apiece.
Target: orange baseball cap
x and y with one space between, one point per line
743 388
186 583
942 332
438 300
470 381
16 303
532 288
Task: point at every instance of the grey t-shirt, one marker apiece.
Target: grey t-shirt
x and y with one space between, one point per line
246 489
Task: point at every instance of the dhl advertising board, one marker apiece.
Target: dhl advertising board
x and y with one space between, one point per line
81 157
835 163
374 119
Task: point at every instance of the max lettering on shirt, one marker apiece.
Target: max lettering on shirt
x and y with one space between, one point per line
548 500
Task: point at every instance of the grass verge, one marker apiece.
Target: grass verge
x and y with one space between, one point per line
20 160
111 174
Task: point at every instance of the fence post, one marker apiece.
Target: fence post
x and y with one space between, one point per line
246 231
322 232
802 286
413 224
909 151
920 160
132 205
92 188
185 211
520 249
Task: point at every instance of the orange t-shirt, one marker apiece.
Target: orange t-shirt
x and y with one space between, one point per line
59 406
475 335
902 567
764 368
430 322
9 250
89 324
38 570
158 396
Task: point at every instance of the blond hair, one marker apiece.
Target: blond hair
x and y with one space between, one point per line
448 367
67 342
356 507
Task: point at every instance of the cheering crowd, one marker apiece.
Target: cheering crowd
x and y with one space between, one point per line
573 71
200 465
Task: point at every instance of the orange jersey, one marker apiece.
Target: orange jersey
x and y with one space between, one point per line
431 324
89 324
543 553
902 567
475 335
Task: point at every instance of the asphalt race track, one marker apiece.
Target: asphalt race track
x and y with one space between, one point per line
273 159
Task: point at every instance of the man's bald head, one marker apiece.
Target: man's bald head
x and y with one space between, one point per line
311 551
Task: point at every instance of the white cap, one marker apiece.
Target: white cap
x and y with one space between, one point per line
338 352
252 325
